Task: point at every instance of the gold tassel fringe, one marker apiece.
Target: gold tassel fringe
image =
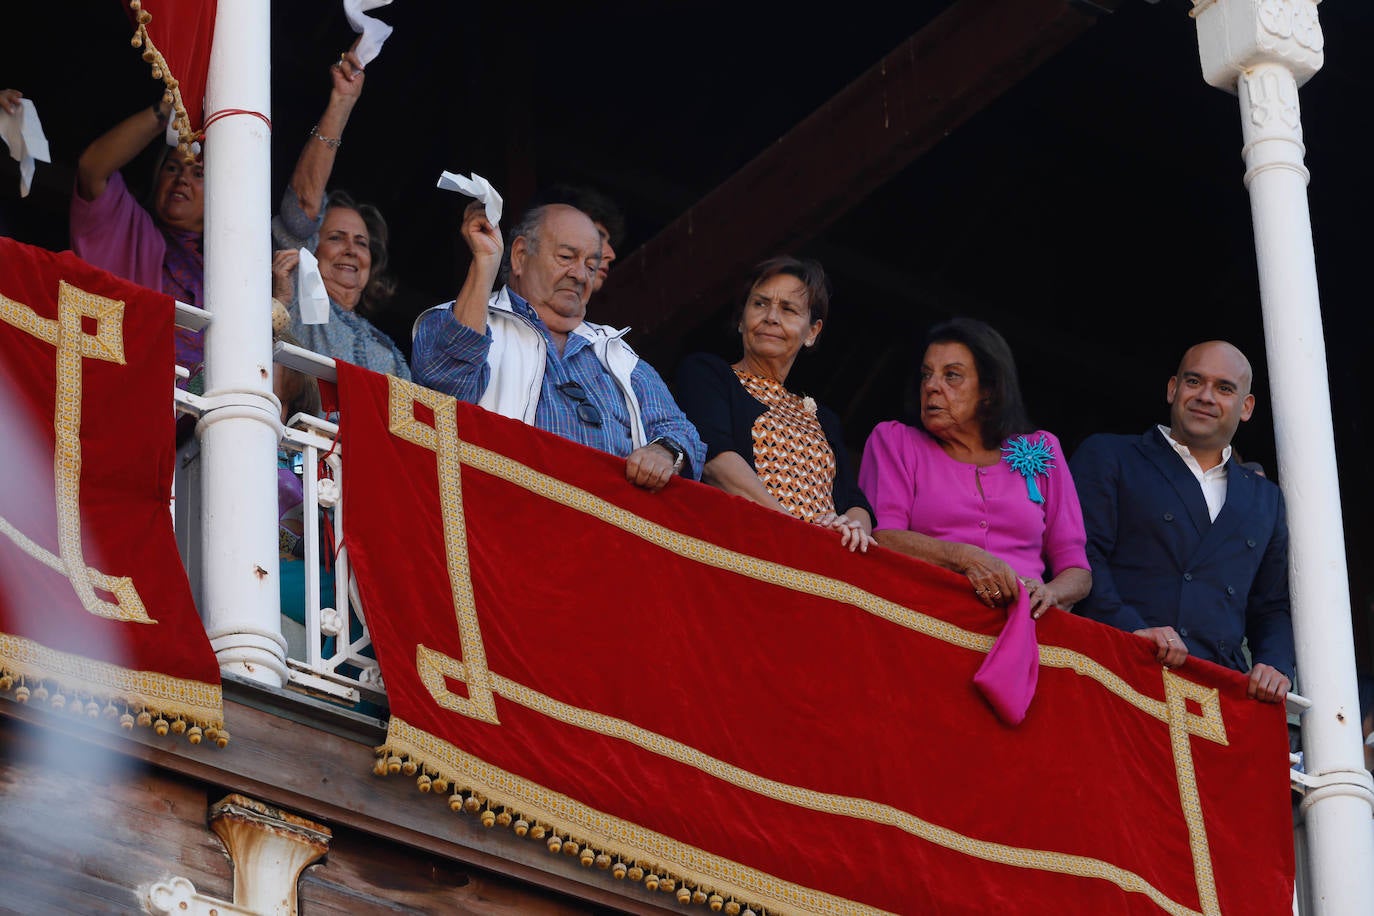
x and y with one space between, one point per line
465 800
172 94
28 689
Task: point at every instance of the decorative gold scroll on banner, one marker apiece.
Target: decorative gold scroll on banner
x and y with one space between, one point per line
96 615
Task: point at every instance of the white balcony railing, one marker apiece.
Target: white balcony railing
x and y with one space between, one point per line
329 649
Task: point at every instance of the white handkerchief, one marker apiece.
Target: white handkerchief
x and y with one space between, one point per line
23 134
477 187
310 291
374 31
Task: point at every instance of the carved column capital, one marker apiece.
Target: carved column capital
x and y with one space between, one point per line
1235 36
269 848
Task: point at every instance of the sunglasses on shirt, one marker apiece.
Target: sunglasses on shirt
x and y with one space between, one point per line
587 412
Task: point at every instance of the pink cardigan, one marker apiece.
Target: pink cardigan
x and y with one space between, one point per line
915 486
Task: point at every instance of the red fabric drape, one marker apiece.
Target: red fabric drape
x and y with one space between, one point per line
723 695
182 32
94 602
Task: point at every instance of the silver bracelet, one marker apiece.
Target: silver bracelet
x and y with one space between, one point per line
331 142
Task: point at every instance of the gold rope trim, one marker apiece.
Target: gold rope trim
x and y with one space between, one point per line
31 672
161 71
1178 691
787 577
442 438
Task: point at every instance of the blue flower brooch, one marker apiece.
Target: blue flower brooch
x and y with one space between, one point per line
1029 459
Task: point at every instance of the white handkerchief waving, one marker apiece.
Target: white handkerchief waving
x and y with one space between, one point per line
310 291
23 134
374 31
477 187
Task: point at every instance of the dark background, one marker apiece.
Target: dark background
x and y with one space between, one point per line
1093 212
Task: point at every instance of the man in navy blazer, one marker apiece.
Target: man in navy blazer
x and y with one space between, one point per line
1188 549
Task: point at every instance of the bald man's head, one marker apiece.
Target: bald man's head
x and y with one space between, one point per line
1210 396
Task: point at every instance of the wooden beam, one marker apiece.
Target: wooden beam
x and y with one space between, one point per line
323 770
837 156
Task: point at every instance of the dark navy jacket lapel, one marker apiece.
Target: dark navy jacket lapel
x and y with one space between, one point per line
1162 455
1240 501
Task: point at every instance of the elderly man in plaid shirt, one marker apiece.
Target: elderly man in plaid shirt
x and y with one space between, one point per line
528 352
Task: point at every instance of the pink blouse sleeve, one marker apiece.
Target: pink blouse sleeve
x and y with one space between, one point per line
116 234
887 475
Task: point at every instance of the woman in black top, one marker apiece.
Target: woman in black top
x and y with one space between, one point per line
763 442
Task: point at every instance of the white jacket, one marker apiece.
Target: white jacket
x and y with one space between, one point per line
519 353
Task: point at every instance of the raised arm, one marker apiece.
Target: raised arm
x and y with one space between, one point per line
484 241
450 343
117 147
316 162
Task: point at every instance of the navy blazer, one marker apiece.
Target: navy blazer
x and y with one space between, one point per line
1158 559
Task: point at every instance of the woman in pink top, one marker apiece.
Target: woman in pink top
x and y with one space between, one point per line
975 488
160 247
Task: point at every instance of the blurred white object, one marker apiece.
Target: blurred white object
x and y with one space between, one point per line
23 134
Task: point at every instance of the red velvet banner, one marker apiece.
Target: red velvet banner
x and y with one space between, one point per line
95 610
724 699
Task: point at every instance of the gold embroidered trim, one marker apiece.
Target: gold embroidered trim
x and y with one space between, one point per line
848 806
709 554
73 345
442 439
83 685
1182 725
585 825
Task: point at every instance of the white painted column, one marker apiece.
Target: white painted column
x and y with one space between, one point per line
240 430
1263 50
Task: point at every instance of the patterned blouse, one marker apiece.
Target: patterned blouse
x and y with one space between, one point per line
791 454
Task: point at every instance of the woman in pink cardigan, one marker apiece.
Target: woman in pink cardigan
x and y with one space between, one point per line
972 486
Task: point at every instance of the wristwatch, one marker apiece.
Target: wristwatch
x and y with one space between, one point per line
678 452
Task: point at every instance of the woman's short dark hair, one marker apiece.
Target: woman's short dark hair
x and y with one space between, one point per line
380 284
809 272
1002 412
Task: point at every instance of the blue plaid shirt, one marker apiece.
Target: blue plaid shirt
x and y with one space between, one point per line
449 356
